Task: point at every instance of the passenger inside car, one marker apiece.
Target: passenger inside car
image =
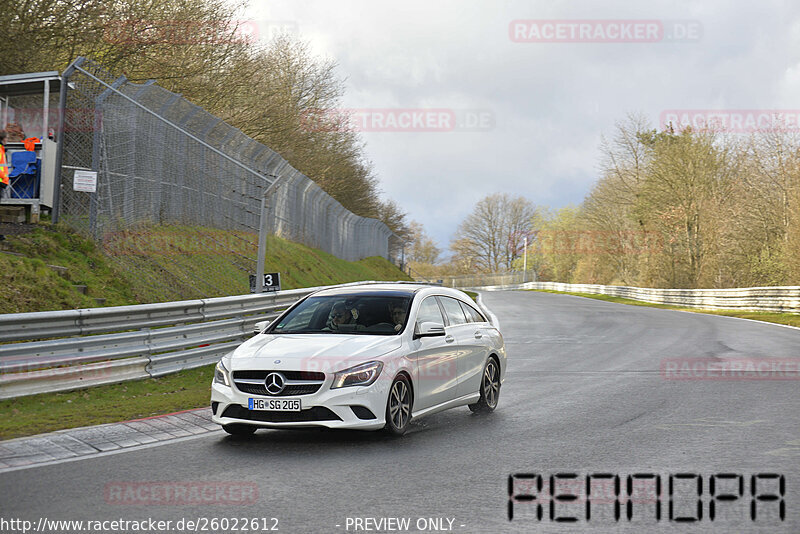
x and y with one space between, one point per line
398 314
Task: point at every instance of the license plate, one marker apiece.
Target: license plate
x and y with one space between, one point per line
274 405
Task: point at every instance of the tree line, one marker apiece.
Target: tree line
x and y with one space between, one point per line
205 50
679 209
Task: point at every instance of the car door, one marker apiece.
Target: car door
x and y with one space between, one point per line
436 357
471 349
483 336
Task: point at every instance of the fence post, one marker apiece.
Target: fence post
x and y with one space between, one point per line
62 111
262 245
525 260
262 237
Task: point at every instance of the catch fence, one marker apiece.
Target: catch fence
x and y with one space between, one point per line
180 185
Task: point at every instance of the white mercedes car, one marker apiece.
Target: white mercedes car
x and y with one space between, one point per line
367 357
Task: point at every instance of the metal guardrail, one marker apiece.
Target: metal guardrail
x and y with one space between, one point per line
488 279
782 299
106 345
40 325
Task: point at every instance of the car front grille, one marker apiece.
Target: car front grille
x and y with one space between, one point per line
297 382
317 413
290 375
256 389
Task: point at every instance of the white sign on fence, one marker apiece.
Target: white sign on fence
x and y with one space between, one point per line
85 181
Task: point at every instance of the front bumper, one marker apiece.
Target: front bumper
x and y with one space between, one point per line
330 408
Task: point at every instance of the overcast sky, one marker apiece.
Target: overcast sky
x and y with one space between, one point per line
548 103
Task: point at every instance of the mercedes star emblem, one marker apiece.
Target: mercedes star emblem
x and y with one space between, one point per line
275 382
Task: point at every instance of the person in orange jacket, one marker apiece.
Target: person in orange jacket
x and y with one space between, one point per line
3 168
3 162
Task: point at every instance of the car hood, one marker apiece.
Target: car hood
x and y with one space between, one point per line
310 352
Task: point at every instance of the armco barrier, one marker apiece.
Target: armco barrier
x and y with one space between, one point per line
41 325
106 345
785 299
72 377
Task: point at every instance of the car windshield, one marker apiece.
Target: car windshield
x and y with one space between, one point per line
383 315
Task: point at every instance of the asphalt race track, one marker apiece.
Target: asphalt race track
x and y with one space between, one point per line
586 393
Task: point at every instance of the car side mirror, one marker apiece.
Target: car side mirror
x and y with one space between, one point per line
429 329
260 326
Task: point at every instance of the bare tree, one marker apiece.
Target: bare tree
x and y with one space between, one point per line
421 248
491 235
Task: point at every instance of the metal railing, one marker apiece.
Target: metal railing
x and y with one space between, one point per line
106 345
780 299
487 279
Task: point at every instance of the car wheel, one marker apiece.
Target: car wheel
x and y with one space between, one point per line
490 388
238 429
398 407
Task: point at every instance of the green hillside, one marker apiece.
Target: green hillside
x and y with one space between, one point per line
46 268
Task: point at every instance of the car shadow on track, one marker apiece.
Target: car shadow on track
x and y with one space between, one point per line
457 424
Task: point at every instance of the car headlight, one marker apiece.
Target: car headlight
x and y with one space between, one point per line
221 375
360 375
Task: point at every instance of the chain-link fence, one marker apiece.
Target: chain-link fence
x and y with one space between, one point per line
173 178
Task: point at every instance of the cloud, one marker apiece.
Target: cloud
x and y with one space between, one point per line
550 102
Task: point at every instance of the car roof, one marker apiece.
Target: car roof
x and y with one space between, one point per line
389 289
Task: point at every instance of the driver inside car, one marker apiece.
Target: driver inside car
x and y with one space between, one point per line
342 315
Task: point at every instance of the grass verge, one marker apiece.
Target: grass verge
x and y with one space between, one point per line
46 412
790 319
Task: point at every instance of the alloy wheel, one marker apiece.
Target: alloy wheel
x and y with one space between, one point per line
491 383
400 404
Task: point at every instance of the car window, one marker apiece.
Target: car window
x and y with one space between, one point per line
356 313
473 315
302 316
453 310
429 312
